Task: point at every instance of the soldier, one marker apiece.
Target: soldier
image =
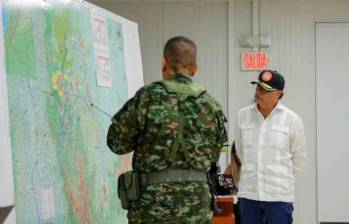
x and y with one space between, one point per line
176 130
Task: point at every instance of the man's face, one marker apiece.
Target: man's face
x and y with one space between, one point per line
266 98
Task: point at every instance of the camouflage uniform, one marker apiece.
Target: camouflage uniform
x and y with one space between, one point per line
148 124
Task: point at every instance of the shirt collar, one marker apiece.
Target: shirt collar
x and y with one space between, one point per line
180 77
279 106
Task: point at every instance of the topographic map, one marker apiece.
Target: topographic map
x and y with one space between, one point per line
59 59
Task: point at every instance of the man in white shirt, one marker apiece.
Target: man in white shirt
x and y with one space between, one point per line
270 142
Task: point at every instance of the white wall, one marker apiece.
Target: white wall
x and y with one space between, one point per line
290 23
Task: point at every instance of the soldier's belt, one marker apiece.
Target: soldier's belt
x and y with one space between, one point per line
177 175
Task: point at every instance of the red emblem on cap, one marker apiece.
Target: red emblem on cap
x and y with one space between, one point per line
267 76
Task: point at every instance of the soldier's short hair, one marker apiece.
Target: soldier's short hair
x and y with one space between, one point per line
180 52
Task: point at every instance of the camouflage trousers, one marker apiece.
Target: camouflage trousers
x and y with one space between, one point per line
185 202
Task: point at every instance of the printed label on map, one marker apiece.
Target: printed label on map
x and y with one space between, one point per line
103 70
100 32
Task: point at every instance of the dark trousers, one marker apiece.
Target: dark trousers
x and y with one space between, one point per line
262 212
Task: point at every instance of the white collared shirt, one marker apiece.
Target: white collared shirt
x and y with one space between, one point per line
271 151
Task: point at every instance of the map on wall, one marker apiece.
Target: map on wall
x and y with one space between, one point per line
69 65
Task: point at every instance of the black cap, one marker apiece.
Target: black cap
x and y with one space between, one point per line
270 80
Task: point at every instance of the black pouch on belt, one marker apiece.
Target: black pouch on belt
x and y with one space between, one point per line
128 188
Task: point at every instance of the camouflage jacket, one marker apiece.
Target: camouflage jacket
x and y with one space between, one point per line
148 124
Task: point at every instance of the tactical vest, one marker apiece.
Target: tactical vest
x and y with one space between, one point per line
130 182
182 92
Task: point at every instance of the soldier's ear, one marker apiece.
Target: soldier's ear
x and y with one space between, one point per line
163 62
194 70
164 69
163 65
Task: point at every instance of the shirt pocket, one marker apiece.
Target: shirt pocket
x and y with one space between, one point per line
247 135
280 136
